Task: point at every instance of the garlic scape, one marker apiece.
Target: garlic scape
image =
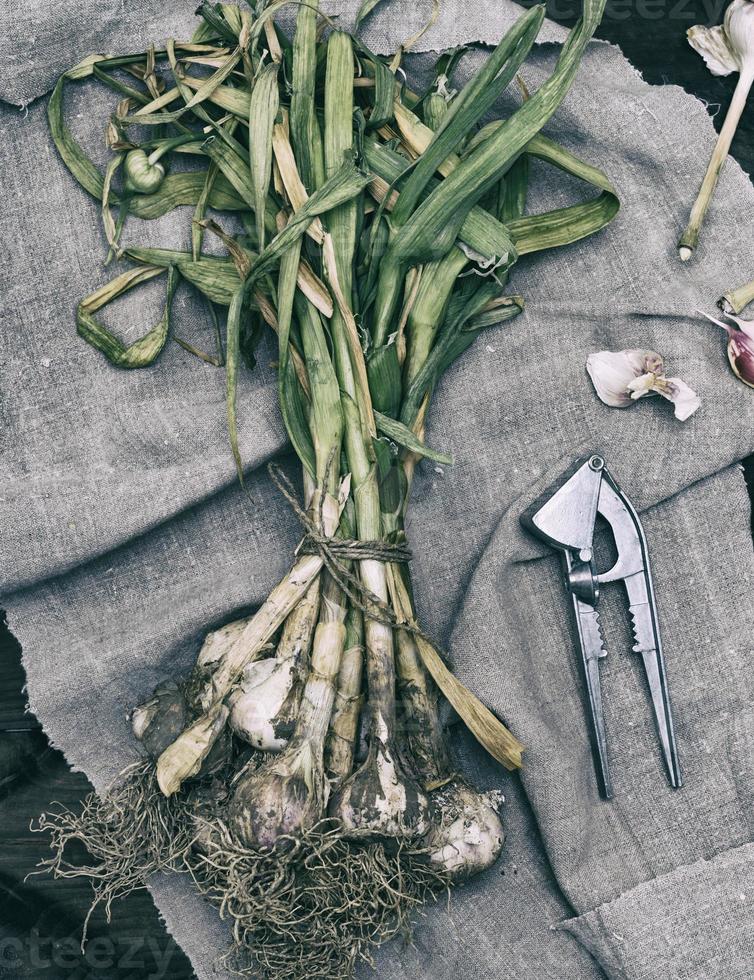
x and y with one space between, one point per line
623 377
143 173
727 48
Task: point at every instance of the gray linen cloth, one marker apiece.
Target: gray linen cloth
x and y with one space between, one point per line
125 536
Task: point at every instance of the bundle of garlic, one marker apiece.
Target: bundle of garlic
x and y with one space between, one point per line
301 771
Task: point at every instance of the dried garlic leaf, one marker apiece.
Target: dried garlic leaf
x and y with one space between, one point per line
141 352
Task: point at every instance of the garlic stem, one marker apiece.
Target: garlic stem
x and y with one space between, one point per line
735 300
344 722
690 238
170 144
379 798
271 614
419 700
465 835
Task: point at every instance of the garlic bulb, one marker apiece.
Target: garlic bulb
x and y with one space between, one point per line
467 835
286 796
381 799
726 48
623 377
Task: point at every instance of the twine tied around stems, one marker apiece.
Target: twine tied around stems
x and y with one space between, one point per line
338 553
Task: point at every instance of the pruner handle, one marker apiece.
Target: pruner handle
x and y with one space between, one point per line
592 650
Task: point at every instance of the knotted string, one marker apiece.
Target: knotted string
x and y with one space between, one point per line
338 553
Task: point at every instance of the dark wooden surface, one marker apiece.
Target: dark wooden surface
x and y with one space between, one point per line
41 920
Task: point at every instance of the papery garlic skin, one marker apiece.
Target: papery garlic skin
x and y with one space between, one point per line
623 377
613 371
158 722
712 44
257 706
184 757
265 705
685 401
218 642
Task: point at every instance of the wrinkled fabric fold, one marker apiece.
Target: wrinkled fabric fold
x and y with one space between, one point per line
696 921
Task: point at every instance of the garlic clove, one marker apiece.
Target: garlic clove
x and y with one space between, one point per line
740 346
612 373
745 326
741 358
739 29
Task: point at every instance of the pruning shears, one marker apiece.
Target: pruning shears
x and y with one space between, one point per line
565 517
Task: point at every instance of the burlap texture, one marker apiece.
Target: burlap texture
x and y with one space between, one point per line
125 536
